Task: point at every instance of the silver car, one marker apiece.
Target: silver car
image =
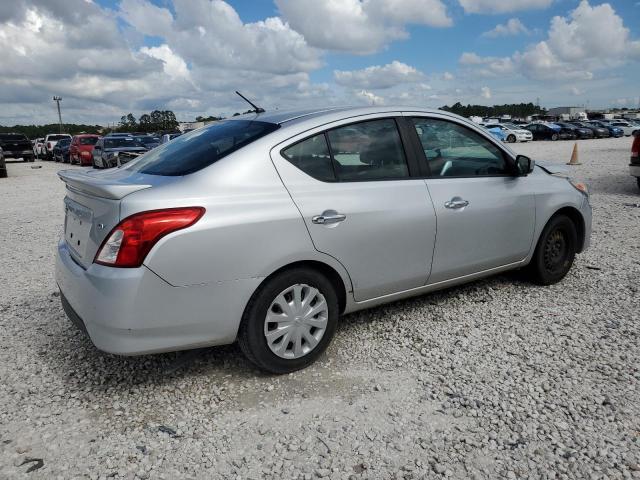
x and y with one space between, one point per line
267 227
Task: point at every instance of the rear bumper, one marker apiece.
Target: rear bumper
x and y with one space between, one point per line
132 311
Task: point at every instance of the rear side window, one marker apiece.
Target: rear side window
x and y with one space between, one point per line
9 137
312 157
370 150
88 140
200 148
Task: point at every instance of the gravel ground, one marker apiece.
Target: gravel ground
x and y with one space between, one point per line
496 379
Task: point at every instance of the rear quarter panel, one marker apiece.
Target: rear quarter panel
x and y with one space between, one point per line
250 229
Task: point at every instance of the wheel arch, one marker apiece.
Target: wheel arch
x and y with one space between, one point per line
327 270
576 217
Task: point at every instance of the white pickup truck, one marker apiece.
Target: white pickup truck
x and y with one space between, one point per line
50 142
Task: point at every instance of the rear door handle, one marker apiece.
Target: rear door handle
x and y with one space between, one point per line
328 217
456 203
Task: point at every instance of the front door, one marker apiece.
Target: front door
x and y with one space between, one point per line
352 185
485 212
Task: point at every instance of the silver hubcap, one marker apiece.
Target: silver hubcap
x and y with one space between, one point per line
296 321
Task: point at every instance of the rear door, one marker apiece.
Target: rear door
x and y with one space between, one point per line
353 187
486 214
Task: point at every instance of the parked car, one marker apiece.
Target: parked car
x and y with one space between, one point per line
634 165
81 149
267 227
38 148
3 165
16 145
578 132
149 142
544 131
497 133
514 133
613 131
598 132
626 127
113 151
50 142
61 150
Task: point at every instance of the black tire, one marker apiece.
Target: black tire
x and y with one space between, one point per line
554 137
555 251
511 139
251 336
638 180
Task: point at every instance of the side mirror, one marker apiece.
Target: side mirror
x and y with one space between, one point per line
525 165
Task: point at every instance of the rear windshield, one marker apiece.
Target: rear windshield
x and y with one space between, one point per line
200 148
12 137
57 137
88 140
149 140
120 142
64 141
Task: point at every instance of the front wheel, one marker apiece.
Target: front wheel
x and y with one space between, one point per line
555 251
554 137
511 139
289 321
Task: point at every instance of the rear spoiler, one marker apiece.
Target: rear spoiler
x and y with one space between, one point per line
83 182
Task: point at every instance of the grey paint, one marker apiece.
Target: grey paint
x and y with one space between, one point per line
397 240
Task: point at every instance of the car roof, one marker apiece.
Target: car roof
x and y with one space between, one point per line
293 116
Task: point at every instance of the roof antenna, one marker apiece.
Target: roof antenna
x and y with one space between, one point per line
256 108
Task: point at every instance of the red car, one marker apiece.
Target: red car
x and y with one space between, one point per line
81 149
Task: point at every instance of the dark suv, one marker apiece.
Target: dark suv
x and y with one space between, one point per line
16 145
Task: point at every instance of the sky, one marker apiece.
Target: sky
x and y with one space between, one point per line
107 58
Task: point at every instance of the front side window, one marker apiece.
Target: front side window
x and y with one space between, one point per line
312 157
369 150
453 150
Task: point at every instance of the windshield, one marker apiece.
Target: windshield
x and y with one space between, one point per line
63 142
12 137
200 148
121 142
88 140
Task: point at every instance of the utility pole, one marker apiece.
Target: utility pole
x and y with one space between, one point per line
58 99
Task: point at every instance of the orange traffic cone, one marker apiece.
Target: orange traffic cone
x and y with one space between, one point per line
574 156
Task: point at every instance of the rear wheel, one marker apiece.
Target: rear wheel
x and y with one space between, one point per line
511 139
289 321
555 251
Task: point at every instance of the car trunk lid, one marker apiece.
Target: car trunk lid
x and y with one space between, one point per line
92 206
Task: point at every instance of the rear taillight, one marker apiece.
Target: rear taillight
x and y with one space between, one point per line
130 241
49 145
85 154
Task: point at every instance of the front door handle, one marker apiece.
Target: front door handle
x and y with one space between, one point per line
328 217
455 203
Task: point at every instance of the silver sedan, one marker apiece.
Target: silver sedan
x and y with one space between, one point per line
267 227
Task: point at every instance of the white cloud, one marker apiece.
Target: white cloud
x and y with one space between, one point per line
360 26
369 98
377 76
448 76
174 66
590 39
513 27
502 6
485 92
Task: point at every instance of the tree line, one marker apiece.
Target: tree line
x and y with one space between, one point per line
518 110
156 121
39 131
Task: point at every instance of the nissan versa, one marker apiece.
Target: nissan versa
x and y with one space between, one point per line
267 227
